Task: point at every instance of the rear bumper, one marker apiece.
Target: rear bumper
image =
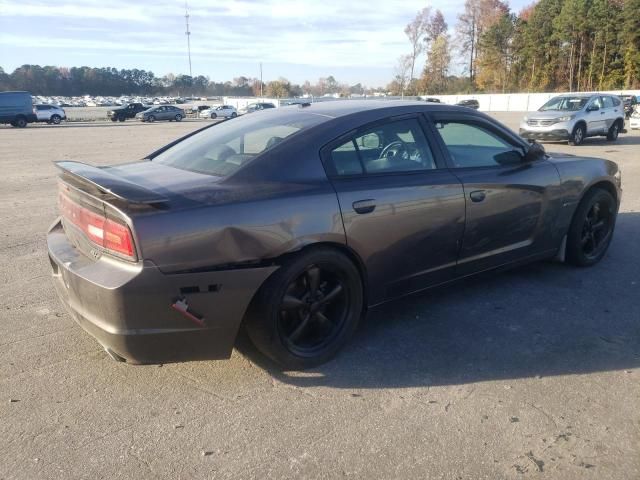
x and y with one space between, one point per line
551 135
128 309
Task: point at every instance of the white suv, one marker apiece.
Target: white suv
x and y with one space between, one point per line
50 114
574 117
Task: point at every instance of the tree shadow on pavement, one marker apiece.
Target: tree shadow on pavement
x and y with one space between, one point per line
539 320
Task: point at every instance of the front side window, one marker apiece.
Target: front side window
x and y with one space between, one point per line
398 146
227 147
472 145
607 102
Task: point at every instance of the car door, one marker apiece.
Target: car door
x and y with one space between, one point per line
612 111
595 116
402 209
42 112
511 205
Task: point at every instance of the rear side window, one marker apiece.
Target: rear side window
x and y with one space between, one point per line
616 101
392 147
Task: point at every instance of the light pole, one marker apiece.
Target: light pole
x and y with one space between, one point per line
188 34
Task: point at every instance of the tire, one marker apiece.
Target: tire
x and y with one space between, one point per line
286 324
56 119
213 116
578 134
591 228
178 118
20 122
612 134
114 119
234 114
151 119
121 118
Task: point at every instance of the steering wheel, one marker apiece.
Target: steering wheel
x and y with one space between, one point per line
398 148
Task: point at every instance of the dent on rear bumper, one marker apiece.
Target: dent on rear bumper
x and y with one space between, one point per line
128 307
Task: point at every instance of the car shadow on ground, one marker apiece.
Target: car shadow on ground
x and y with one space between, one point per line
623 139
543 319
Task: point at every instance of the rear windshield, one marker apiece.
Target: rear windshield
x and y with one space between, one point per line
570 104
225 148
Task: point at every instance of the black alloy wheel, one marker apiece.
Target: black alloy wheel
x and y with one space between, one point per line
591 228
307 310
313 310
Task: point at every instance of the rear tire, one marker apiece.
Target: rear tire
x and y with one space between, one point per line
577 136
612 134
234 115
20 122
307 310
591 228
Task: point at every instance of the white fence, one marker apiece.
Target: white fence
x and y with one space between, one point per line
489 102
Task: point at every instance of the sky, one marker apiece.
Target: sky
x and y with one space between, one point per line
355 40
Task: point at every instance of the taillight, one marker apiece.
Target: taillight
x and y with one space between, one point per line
113 236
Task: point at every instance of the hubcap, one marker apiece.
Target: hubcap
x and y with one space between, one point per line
596 230
313 310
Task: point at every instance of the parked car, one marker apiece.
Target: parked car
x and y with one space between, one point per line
129 110
222 111
634 120
432 100
574 117
16 108
255 107
629 102
470 103
293 223
162 112
50 114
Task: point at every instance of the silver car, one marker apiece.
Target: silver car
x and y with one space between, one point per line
163 112
574 117
223 111
50 114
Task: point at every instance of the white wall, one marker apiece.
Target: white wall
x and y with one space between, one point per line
514 102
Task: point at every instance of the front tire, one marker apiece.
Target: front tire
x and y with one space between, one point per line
213 116
577 136
307 310
56 119
178 118
234 114
121 119
592 228
151 119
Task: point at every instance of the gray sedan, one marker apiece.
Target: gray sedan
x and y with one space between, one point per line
292 223
162 112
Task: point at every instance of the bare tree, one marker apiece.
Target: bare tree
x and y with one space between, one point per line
416 32
403 69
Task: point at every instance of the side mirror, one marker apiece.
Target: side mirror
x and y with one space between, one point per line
535 152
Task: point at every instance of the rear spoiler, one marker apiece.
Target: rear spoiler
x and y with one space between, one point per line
110 183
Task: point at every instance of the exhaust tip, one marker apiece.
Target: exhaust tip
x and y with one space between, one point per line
114 355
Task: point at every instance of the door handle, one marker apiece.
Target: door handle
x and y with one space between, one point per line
364 206
477 195
602 113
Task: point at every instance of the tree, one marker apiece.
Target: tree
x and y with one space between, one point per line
631 38
402 75
416 31
497 54
280 88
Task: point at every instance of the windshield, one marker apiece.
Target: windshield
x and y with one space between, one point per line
225 148
569 104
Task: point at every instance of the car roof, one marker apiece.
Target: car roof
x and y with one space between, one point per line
341 108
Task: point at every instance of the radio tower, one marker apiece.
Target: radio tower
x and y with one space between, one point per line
188 33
